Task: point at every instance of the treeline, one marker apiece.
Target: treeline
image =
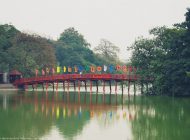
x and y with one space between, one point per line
27 52
166 58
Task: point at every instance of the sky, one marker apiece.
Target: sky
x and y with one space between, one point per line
119 21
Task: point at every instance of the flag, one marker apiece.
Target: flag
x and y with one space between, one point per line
69 69
87 68
64 69
43 72
111 68
118 67
47 70
58 69
99 68
36 71
124 68
75 69
92 69
130 68
105 68
53 71
80 68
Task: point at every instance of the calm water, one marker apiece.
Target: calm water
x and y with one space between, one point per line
96 117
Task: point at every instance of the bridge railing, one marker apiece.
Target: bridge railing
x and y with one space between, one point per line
73 77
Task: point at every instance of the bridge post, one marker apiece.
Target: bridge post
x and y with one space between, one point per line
57 86
36 86
79 91
96 97
68 86
103 86
142 87
32 87
110 85
85 85
90 91
43 86
90 86
147 87
134 88
79 86
64 86
129 87
74 85
122 89
115 87
110 90
96 86
53 86
46 86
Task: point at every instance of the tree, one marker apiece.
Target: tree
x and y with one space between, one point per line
166 57
72 49
73 38
107 50
30 52
181 63
7 33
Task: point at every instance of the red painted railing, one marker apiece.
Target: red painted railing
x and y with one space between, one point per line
74 77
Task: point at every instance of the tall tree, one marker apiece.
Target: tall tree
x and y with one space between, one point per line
167 58
30 52
107 50
73 49
72 37
144 56
177 75
7 33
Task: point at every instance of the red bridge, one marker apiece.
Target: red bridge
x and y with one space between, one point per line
78 78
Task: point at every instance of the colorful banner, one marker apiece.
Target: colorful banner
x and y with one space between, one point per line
88 69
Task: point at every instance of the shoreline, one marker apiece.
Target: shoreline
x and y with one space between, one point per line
9 87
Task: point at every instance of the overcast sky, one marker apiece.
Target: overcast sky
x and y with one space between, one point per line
119 21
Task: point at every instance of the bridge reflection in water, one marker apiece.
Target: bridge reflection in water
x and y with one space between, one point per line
55 115
57 105
67 112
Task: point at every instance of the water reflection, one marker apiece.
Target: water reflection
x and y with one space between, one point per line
92 116
162 118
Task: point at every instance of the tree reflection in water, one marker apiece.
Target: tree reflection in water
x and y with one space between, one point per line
31 114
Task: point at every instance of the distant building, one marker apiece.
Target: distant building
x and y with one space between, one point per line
5 77
1 77
14 75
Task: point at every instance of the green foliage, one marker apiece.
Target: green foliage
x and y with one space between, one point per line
71 37
107 51
166 58
156 116
24 52
7 33
72 49
30 52
188 74
143 55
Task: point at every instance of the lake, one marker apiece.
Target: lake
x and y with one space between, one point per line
92 116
